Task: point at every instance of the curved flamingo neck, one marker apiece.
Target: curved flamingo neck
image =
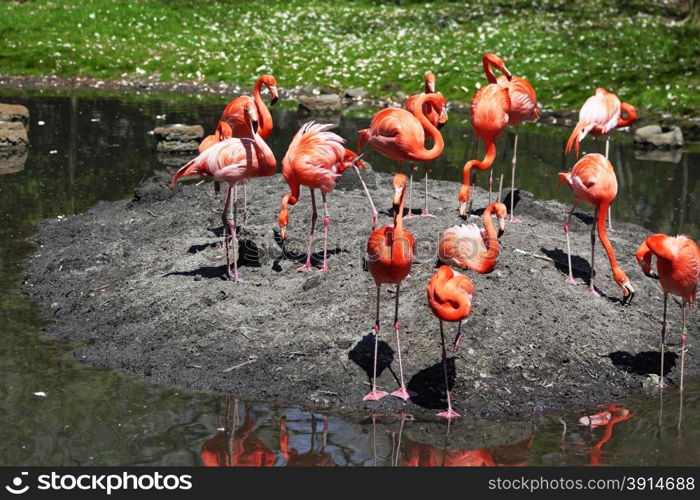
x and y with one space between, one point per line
492 245
264 116
484 164
488 71
424 154
398 217
267 163
601 214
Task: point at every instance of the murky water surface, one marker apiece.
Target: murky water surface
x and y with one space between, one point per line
56 411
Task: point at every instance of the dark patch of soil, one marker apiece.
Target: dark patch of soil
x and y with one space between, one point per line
141 283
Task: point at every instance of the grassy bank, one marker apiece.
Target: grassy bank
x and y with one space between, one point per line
638 49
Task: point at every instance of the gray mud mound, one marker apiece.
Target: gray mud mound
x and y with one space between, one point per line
140 282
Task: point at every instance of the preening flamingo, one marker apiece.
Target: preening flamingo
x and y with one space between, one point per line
678 268
232 161
465 245
438 119
390 256
600 115
490 107
523 106
400 135
593 181
450 297
315 158
232 121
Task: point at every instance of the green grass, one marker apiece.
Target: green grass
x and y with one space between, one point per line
638 49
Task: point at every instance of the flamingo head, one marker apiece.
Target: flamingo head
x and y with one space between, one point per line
271 84
224 130
251 115
464 193
624 283
352 159
501 212
495 61
430 82
399 190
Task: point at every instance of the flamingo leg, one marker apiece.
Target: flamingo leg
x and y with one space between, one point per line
512 180
490 183
231 222
375 214
684 336
314 215
450 413
570 280
374 394
326 224
426 212
663 343
401 392
224 221
607 148
472 181
409 214
458 338
590 279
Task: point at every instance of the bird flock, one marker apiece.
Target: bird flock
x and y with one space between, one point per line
316 157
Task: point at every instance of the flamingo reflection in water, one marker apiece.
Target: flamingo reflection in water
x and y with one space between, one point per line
320 458
236 447
608 418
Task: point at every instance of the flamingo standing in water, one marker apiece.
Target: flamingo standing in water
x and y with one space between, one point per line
390 256
468 246
315 158
438 119
450 297
490 108
231 161
400 135
523 106
593 181
600 115
678 268
232 122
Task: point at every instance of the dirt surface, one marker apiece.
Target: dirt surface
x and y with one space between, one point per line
141 283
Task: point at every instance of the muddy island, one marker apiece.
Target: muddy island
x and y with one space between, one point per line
141 283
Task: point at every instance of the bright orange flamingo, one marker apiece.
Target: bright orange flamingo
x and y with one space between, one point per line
599 116
490 108
473 248
523 106
390 256
438 119
315 158
232 121
232 161
400 135
678 268
609 418
240 448
593 181
450 297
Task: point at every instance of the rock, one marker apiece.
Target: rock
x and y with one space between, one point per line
323 104
13 136
14 113
667 155
658 137
355 94
178 138
12 161
173 160
178 132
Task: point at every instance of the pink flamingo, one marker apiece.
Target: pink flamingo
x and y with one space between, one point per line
678 266
400 135
232 161
438 119
523 106
315 158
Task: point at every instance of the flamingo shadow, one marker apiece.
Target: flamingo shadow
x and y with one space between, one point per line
579 266
290 252
515 195
643 363
208 272
363 355
429 385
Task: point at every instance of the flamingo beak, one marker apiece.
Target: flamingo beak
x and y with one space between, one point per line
274 94
501 226
462 209
431 87
397 198
283 233
507 73
627 292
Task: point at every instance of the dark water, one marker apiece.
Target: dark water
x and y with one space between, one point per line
55 410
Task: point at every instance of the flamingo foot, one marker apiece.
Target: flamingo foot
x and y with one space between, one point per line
375 395
571 281
595 292
409 215
457 342
427 214
515 220
402 393
324 268
305 268
449 414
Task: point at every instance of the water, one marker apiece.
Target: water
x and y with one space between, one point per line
56 411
